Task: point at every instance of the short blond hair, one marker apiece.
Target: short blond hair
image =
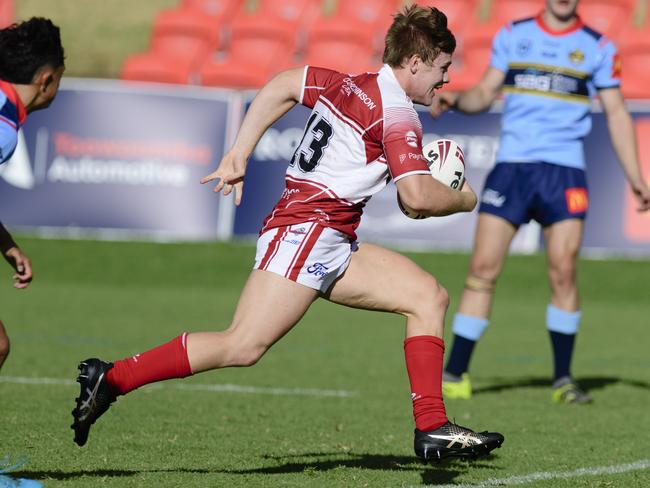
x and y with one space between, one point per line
418 30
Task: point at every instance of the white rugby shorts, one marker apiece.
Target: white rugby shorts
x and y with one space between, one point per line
310 254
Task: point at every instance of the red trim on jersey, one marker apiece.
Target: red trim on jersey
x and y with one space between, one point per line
12 95
320 186
8 122
272 249
302 245
305 202
577 25
356 127
309 243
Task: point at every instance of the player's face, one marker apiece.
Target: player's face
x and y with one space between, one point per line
562 9
430 77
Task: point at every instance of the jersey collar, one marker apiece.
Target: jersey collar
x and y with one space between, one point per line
13 97
577 25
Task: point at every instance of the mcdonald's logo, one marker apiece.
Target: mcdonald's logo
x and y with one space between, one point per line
577 200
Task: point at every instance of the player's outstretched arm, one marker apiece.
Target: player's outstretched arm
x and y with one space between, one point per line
427 196
622 132
476 99
275 99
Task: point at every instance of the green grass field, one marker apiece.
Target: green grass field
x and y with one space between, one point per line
117 299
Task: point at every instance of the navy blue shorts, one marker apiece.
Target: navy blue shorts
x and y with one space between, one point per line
547 193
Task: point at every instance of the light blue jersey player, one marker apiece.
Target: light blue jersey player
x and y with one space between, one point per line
548 69
31 66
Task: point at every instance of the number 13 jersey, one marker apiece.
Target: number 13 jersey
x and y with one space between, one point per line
363 130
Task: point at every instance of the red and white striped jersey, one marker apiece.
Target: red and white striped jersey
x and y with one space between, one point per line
363 130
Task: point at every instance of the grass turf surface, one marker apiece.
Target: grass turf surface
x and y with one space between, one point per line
116 299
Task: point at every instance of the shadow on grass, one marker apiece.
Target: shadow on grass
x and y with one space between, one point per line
589 383
442 473
98 473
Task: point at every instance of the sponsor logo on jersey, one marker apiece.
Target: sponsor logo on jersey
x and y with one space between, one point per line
412 156
349 87
577 56
317 269
286 194
577 200
523 46
493 197
616 66
546 82
411 138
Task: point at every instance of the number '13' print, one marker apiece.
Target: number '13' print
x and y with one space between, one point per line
315 139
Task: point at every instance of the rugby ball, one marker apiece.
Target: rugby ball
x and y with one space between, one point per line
447 164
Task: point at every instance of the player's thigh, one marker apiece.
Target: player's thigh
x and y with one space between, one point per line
562 240
491 243
383 280
269 306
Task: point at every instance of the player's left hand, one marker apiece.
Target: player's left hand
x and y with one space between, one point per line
230 174
642 193
23 266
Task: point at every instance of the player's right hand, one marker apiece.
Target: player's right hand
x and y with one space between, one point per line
22 265
442 102
230 174
472 198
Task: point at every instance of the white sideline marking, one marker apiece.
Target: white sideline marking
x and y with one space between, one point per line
259 390
552 475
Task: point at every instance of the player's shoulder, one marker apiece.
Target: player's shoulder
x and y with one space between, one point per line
595 38
392 93
519 25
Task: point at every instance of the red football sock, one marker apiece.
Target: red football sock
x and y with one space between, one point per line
161 363
424 356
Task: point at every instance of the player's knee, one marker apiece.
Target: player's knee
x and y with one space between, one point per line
485 270
247 354
562 272
431 300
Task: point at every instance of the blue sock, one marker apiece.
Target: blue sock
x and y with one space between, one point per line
562 327
467 331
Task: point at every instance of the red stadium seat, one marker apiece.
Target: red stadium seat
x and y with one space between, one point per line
257 51
171 59
221 9
634 49
504 11
292 11
473 57
7 14
341 55
369 12
606 16
459 13
372 18
233 74
190 24
271 17
156 68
